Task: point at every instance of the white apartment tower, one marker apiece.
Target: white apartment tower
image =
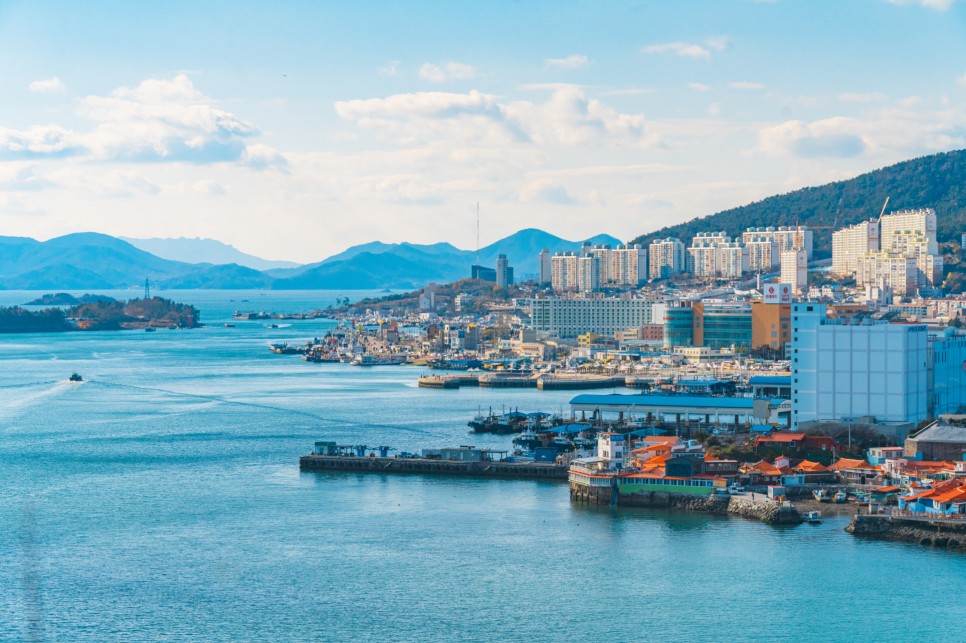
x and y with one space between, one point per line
849 244
502 272
908 221
627 266
787 238
545 275
665 258
794 269
564 271
731 260
588 274
602 253
763 252
703 253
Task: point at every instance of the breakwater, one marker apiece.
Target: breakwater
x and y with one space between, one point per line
947 534
428 466
539 382
719 504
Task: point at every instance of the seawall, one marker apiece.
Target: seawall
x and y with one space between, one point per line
940 533
718 504
513 470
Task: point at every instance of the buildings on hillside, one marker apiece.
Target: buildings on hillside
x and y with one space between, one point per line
666 258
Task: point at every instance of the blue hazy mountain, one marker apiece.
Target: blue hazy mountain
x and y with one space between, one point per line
210 251
90 260
441 262
77 261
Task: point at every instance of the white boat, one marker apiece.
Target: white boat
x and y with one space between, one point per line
813 517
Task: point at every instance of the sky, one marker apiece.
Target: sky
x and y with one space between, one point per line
293 130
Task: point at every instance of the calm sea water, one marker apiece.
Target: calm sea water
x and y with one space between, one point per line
161 499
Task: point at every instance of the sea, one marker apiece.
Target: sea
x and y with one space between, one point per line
161 499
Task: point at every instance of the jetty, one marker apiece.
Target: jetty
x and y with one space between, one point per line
947 532
542 382
431 466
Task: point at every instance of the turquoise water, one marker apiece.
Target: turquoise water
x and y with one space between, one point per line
161 499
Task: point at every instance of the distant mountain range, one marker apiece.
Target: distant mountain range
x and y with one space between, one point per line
937 181
97 261
204 251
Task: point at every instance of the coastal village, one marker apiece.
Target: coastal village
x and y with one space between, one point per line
760 380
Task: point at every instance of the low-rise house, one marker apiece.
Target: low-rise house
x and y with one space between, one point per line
796 441
761 473
853 471
946 499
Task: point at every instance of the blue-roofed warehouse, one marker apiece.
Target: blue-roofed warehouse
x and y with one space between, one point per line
699 408
769 386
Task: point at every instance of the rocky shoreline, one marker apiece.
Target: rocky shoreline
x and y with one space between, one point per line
767 512
935 534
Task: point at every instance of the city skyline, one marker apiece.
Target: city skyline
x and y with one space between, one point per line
294 131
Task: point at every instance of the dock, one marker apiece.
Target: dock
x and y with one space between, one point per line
428 466
513 380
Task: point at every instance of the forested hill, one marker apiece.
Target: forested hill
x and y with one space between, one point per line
937 181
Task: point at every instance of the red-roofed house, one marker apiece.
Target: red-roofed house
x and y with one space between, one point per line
946 498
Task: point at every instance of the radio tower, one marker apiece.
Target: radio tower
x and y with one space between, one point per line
477 233
147 289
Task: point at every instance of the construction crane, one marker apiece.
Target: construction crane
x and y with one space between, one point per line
883 209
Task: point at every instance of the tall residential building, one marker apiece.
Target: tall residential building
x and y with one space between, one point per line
602 254
906 221
851 243
763 252
564 271
916 244
504 273
703 253
731 260
569 318
588 274
787 237
845 371
794 269
545 275
627 266
665 258
898 272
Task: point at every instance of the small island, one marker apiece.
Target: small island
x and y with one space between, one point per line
154 312
66 299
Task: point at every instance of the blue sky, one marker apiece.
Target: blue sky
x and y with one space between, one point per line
295 129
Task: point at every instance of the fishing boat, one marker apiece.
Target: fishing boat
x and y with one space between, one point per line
821 495
813 517
839 497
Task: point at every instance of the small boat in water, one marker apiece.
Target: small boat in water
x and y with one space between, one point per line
813 517
840 497
150 329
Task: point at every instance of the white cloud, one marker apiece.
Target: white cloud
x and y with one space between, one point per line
938 5
573 61
961 80
17 176
699 87
714 109
683 49
567 118
157 120
833 137
51 85
208 187
391 69
745 85
547 191
857 97
445 72
688 49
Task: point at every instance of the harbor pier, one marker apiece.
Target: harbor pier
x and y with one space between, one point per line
430 466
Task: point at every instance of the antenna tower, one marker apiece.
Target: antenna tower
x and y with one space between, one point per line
147 289
477 233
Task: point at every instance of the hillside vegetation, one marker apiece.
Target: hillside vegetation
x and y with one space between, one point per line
937 181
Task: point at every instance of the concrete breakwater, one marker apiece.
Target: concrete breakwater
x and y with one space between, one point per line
719 504
939 533
514 470
515 380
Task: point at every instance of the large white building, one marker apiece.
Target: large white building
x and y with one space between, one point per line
787 238
665 258
703 253
504 274
731 260
545 275
897 272
602 254
588 274
794 269
627 266
763 252
902 222
851 243
845 371
563 271
605 316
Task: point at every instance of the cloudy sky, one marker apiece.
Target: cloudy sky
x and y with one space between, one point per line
295 129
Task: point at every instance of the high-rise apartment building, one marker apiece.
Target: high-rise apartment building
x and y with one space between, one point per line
904 222
564 271
545 275
898 272
849 244
763 252
703 253
787 238
588 274
602 254
731 260
627 266
794 269
666 258
504 273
